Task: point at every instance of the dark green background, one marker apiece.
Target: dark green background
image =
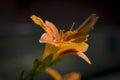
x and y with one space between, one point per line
19 37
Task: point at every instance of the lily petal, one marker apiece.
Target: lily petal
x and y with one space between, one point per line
45 38
77 46
39 21
88 24
72 48
49 27
75 36
49 49
72 76
53 29
82 55
80 38
54 74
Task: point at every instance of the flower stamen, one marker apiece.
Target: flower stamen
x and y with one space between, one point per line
72 26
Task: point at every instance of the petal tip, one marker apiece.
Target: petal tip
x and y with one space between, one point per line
89 62
83 56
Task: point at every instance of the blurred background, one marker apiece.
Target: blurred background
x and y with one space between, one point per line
19 37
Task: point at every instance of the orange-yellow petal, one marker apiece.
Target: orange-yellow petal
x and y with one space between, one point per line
45 38
39 22
49 49
74 48
49 27
72 76
53 29
54 74
75 36
83 56
88 24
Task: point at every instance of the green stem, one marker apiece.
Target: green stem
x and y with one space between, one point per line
39 66
32 76
37 70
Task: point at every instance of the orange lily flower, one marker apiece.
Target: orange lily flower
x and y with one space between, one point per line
60 43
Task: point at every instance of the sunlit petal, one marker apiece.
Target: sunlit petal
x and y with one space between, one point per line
70 48
80 39
77 46
45 38
83 56
39 21
75 36
49 49
72 76
53 29
54 73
